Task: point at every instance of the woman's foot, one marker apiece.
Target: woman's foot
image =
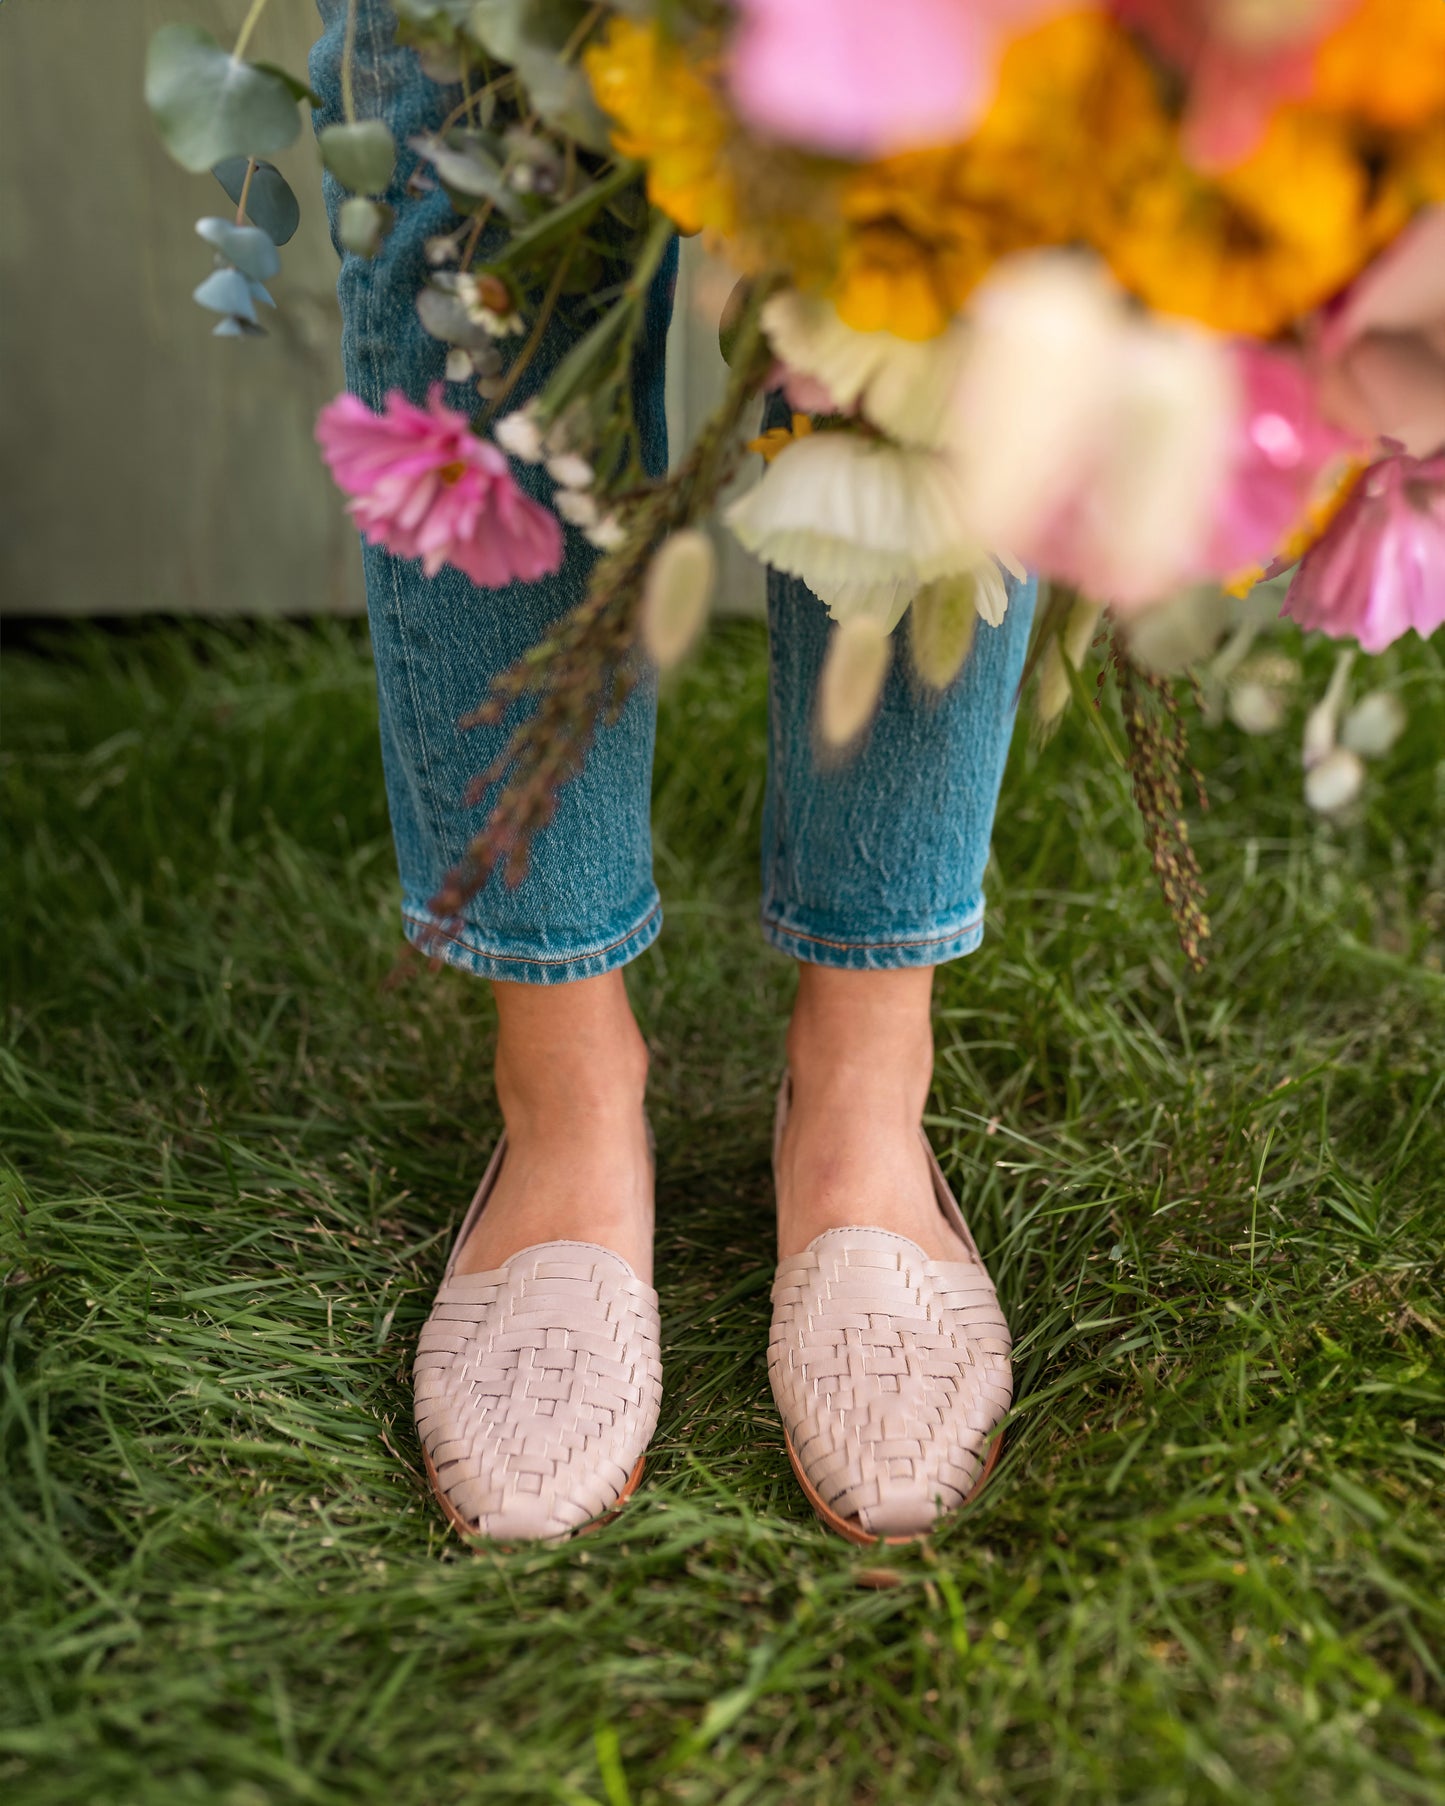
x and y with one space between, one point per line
860 1054
888 1358
538 1375
571 1078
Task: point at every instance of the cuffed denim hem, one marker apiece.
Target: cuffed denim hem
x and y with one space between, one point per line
460 947
931 946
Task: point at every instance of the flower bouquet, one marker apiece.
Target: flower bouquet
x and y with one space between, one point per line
1145 295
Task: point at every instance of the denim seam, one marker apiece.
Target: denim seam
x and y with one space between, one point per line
817 940
537 959
374 400
773 777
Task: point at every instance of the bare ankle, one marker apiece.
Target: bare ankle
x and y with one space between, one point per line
870 1033
569 1057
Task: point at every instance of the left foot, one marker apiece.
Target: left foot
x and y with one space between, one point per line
860 1053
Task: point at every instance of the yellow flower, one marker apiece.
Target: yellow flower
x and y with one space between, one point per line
1385 63
668 116
909 259
1253 248
1336 488
923 229
777 439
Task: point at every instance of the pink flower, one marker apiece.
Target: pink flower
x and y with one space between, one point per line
1380 569
1382 352
425 486
1242 61
861 78
1282 453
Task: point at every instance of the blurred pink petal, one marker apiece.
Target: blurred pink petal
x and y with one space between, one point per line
1380 569
1382 351
1284 449
1243 60
805 394
863 78
425 486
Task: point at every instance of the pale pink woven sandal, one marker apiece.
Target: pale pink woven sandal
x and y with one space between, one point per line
891 1374
537 1386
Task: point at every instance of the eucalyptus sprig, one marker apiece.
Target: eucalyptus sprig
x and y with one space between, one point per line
585 670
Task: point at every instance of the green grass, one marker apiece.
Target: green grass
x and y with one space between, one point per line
1210 1565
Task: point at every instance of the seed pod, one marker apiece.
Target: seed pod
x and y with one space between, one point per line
1374 724
1072 642
942 621
677 594
1335 781
853 676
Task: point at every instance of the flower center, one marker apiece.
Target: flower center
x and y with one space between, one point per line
453 472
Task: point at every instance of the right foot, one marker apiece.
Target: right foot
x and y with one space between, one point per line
586 1179
571 1080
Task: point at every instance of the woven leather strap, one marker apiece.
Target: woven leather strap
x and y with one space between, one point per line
538 1387
891 1373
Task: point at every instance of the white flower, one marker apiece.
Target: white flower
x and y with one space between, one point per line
863 523
1093 439
607 534
570 470
576 506
519 434
470 291
459 365
900 385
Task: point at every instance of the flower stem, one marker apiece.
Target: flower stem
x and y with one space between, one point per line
534 338
243 37
348 58
245 193
586 667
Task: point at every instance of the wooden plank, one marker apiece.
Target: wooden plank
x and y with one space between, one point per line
144 464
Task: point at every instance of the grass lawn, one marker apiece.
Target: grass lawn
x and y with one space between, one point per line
1209 1567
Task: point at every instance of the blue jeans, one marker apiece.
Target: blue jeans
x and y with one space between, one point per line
874 863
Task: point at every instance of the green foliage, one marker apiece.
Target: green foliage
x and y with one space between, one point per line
209 105
362 156
1209 1568
270 202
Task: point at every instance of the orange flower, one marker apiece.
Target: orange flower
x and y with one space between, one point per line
925 227
1385 63
1253 248
667 115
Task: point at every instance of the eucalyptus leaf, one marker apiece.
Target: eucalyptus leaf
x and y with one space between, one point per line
298 88
209 105
497 26
731 319
247 247
227 292
562 95
452 13
235 327
270 203
362 224
361 156
531 36
466 166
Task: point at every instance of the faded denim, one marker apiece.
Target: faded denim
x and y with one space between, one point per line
872 863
